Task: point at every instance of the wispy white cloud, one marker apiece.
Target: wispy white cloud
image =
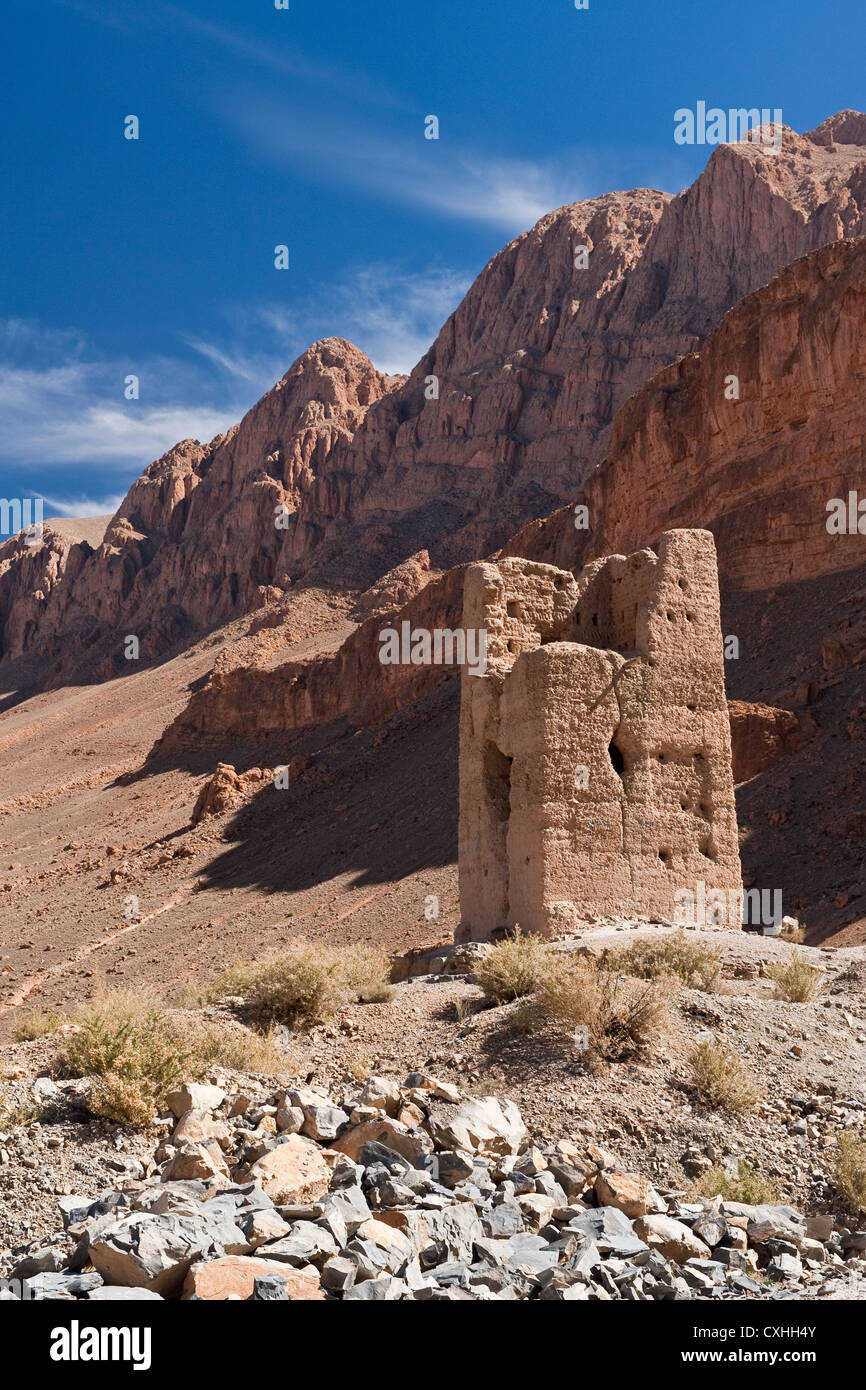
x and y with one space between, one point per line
394 316
389 312
82 506
437 175
313 123
63 405
104 432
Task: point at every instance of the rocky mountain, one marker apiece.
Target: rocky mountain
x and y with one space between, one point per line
499 423
757 471
268 639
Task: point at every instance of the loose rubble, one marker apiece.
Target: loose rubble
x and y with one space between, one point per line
412 1192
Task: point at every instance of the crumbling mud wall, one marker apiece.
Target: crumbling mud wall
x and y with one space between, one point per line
595 751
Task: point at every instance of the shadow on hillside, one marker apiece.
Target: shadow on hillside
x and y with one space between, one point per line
377 805
802 821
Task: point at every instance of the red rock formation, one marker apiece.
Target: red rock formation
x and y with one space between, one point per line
194 542
255 702
756 471
759 471
761 735
539 356
530 369
225 791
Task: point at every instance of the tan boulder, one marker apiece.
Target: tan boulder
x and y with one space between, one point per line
236 1275
203 1160
196 1127
671 1238
381 1093
194 1096
628 1192
396 1247
410 1144
294 1171
485 1125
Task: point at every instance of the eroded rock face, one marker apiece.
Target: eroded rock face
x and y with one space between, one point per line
195 540
761 735
595 757
535 362
759 470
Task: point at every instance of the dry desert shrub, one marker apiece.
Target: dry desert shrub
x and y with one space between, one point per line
622 1018
697 964
721 1079
796 980
513 968
232 980
749 1186
135 1052
849 1170
308 982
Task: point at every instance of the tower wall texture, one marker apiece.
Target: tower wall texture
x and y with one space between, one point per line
595 757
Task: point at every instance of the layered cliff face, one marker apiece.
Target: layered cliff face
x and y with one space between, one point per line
755 435
500 422
534 364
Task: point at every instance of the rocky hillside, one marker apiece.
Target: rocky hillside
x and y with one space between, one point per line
358 1168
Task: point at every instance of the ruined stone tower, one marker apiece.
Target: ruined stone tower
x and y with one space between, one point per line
595 757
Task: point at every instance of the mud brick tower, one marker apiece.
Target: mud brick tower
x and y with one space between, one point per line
595 754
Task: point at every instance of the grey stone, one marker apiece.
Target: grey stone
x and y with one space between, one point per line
338 1273
384 1289
503 1219
155 1251
453 1168
48 1258
62 1285
784 1267
270 1288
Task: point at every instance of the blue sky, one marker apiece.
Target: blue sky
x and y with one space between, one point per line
306 127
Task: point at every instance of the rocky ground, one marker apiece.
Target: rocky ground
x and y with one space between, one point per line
640 1119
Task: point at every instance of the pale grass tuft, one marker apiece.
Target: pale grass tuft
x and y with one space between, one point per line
796 980
245 1051
622 1018
849 1170
721 1079
35 1023
379 993
749 1186
513 968
233 980
697 964
308 982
